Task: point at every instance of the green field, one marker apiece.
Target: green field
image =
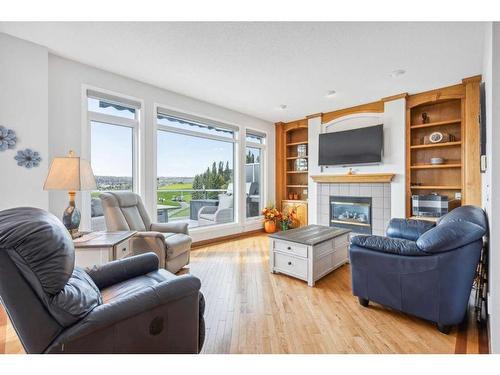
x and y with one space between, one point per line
166 197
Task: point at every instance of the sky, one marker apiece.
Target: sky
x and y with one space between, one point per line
178 155
185 156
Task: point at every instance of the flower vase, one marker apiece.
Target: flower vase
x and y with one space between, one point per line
269 226
284 226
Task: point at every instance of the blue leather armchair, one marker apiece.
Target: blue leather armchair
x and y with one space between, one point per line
421 268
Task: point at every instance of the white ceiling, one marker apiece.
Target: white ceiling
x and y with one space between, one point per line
253 68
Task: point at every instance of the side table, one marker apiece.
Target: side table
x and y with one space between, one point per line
97 248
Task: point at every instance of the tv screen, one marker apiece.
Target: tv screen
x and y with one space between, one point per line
358 146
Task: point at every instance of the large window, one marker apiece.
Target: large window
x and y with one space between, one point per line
254 179
195 171
113 132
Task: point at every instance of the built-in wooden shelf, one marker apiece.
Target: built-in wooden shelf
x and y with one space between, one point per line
296 172
354 178
437 187
296 157
297 186
437 123
296 143
435 145
436 166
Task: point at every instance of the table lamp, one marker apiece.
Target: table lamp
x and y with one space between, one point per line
70 173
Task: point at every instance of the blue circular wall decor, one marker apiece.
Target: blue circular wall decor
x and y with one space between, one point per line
28 158
8 138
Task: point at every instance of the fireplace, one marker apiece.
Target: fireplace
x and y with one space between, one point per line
353 213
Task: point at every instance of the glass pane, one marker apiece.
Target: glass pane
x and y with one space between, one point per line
253 181
255 138
194 126
109 108
112 163
194 180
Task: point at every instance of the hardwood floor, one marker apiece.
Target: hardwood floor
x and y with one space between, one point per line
250 310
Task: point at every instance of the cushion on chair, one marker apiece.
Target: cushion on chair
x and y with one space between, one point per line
177 244
450 235
133 218
44 248
136 284
210 217
388 245
408 229
79 296
469 213
124 211
225 201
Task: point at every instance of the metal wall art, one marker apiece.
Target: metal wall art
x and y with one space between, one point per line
8 138
28 158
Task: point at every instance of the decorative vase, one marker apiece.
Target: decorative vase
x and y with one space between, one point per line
269 226
284 225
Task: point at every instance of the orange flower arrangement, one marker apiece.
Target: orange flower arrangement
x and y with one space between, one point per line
271 213
271 217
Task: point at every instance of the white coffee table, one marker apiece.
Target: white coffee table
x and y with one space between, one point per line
310 252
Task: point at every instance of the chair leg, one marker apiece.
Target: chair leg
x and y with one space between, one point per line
443 328
363 302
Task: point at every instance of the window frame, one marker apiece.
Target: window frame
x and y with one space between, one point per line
235 140
136 125
263 168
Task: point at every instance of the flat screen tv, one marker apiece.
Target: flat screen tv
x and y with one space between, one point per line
358 146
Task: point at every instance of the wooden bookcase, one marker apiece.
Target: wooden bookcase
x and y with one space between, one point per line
453 111
289 180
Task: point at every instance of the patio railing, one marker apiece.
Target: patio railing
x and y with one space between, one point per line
182 204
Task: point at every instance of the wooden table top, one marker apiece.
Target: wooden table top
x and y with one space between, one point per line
102 239
310 234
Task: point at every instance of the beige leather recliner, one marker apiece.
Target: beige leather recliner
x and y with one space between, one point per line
170 241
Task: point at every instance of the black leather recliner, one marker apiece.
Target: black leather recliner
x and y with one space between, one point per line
126 306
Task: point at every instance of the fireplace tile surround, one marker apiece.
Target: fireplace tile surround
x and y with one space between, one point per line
379 192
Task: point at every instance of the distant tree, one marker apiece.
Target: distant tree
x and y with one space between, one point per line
250 158
220 169
227 172
197 185
215 177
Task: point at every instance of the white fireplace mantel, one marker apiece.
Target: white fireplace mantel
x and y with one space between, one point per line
354 178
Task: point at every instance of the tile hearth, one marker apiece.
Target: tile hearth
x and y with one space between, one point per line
379 192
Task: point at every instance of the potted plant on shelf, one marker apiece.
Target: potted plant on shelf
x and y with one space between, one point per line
271 216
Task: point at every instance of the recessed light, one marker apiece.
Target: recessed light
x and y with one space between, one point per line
397 73
330 93
282 107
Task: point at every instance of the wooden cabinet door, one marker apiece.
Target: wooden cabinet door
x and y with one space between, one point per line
300 207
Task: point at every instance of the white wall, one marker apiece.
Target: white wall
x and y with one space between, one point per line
66 79
393 160
491 179
23 108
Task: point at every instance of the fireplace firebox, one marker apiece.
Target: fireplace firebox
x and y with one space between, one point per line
353 213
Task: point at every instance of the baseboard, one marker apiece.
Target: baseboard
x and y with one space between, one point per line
226 238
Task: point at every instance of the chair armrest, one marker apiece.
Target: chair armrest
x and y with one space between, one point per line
399 246
408 229
170 227
450 236
132 306
120 270
145 242
224 215
207 210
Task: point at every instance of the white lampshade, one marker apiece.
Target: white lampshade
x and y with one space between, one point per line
70 173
